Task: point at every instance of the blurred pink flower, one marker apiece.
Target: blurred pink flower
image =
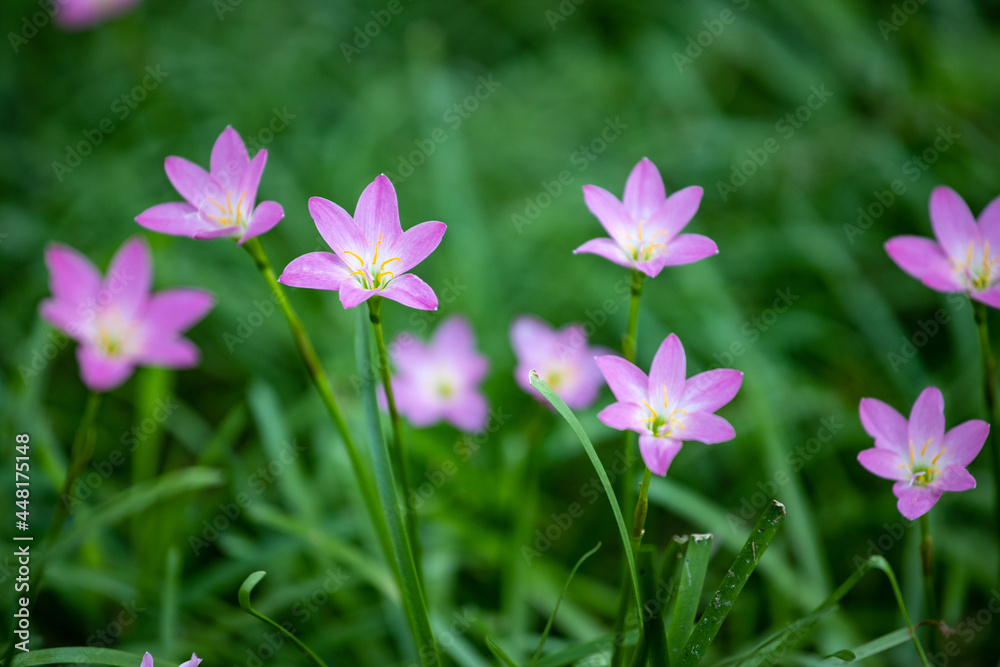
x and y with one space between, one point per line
687 404
371 252
961 258
917 453
645 227
147 661
439 381
117 321
220 202
562 358
80 14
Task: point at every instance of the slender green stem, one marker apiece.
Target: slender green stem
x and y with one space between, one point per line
632 458
639 518
398 450
308 353
244 598
981 310
927 568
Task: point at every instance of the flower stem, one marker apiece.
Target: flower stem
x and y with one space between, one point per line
308 353
631 458
398 452
927 568
981 311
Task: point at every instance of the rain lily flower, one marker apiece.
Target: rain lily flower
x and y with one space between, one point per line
918 454
117 321
371 252
964 257
219 202
562 358
147 661
645 227
666 409
80 14
440 381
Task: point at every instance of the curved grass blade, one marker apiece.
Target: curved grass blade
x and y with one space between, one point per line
555 610
579 652
244 596
690 581
732 585
77 655
499 653
567 414
874 647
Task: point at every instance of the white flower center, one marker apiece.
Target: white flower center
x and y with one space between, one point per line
371 274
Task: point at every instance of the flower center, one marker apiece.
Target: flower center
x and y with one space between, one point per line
115 334
923 472
643 250
445 389
662 424
227 215
977 272
374 274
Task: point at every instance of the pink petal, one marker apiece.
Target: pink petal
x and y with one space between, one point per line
666 375
609 211
176 218
101 373
628 383
169 353
581 394
924 260
953 222
644 192
218 232
193 662
530 337
250 180
705 427
411 291
964 442
991 296
685 249
130 277
377 212
147 660
954 478
177 310
229 158
883 462
709 391
412 247
353 294
336 226
74 282
469 413
658 453
989 223
676 212
316 270
915 501
881 421
927 418
189 180
453 335
625 417
607 249
265 216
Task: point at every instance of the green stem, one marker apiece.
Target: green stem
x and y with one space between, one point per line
398 451
981 311
308 353
632 458
927 568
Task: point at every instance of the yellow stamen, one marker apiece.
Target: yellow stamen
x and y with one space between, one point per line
375 260
935 459
382 273
911 452
348 252
648 407
393 259
924 450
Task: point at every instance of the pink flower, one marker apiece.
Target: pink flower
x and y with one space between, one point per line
371 252
147 661
116 320
918 454
961 258
664 408
220 202
645 227
562 358
80 14
440 381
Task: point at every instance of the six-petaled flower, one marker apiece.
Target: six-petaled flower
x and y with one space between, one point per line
562 358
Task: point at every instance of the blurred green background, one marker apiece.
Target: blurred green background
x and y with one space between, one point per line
476 110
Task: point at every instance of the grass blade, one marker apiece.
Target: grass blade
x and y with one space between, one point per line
77 655
732 585
555 610
244 596
690 581
653 643
499 653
